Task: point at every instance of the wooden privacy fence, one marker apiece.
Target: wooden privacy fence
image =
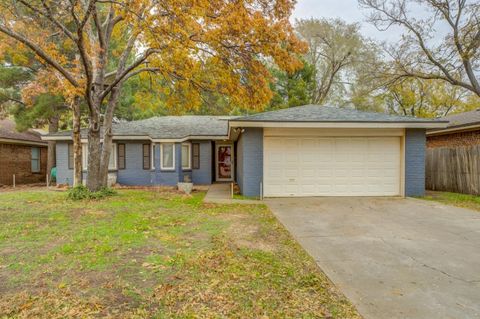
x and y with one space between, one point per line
453 169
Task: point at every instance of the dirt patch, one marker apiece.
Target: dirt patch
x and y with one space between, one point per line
246 233
22 188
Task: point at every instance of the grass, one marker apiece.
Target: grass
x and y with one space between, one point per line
456 199
242 197
154 254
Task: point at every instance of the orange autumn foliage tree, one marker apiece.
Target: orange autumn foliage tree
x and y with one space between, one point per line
43 81
194 45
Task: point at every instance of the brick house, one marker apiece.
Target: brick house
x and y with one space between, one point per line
463 130
22 154
453 155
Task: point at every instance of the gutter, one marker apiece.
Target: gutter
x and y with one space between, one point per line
142 138
22 142
456 128
344 124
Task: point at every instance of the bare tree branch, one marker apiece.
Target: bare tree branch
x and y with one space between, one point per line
41 53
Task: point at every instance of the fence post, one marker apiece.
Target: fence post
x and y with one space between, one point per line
13 180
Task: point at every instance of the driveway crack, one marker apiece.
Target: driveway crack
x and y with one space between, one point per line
428 266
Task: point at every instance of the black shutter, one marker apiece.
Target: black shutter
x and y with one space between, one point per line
146 156
70 156
121 156
196 155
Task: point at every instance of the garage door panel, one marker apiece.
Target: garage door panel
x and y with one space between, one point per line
336 166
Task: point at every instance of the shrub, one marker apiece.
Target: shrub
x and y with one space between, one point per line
81 192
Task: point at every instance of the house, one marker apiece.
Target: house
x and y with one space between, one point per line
22 154
309 150
463 129
453 154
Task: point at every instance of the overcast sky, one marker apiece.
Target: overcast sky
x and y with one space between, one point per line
347 10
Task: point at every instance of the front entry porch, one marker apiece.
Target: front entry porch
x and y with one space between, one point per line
220 193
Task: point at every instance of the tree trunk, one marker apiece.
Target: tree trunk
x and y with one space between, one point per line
51 157
94 179
77 144
107 135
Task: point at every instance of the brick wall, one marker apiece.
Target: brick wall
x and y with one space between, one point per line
16 159
454 139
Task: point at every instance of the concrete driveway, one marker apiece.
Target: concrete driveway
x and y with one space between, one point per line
393 258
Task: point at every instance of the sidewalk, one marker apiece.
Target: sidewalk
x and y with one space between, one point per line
220 194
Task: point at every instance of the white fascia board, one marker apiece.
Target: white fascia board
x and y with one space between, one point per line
55 138
142 138
340 124
69 138
188 138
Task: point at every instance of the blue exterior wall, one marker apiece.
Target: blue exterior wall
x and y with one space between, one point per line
134 174
415 142
250 161
64 175
249 164
203 175
164 177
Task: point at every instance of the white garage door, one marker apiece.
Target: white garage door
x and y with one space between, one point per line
331 166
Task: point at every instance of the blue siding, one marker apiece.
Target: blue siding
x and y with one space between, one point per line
203 175
239 162
415 141
64 175
250 161
178 162
164 177
134 174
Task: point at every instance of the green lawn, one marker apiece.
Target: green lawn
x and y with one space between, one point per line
146 254
456 199
242 197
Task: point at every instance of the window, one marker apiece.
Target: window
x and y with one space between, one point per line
147 160
121 156
196 155
112 161
167 156
35 160
186 159
84 156
70 156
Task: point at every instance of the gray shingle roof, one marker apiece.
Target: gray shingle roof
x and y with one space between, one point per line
181 127
462 119
9 131
169 127
319 113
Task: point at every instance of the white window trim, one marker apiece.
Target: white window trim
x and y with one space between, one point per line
152 156
38 159
161 157
189 156
85 157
